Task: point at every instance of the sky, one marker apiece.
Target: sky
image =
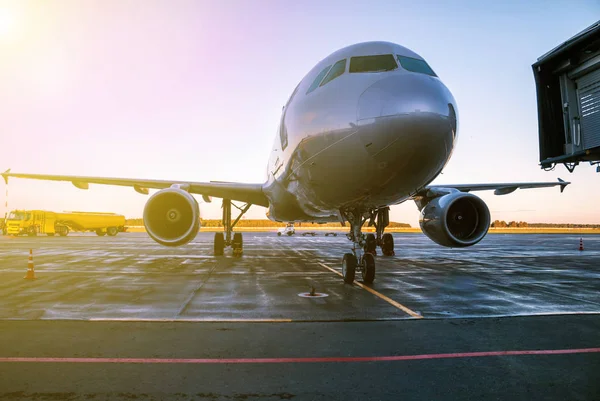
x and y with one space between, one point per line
193 90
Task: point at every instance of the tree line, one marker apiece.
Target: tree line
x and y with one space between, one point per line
521 224
393 224
262 223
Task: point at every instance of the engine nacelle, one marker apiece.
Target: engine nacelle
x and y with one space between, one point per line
457 219
172 217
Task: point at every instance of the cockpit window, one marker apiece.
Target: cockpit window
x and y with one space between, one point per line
318 79
415 65
337 70
384 62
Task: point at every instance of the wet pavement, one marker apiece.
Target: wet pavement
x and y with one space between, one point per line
181 311
131 277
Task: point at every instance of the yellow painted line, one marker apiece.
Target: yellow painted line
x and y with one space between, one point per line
378 294
125 319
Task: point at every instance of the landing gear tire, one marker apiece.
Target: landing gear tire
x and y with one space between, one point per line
349 267
112 231
371 244
368 268
387 245
279 234
100 233
219 244
237 244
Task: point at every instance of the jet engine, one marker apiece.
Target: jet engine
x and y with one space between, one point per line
457 219
172 217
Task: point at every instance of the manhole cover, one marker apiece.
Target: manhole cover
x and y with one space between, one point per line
315 295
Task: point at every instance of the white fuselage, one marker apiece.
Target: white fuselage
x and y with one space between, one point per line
364 139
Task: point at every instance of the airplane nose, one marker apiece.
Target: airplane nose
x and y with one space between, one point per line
407 123
408 95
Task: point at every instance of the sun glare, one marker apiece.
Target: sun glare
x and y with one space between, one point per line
7 22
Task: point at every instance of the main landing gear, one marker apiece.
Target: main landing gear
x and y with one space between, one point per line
381 219
224 239
364 249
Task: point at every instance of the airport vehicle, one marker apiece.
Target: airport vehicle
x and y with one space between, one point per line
311 233
567 80
34 222
370 126
287 230
331 233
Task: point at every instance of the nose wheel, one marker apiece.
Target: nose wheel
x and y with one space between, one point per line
362 258
366 267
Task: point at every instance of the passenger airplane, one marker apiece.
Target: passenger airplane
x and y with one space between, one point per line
369 126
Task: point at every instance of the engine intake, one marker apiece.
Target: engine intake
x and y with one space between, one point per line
172 217
455 220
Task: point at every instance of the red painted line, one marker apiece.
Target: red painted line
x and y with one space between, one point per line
301 360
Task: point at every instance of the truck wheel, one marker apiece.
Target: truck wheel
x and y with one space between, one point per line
64 231
32 232
111 231
100 232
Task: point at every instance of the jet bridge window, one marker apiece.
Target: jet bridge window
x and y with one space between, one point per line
383 62
415 65
338 69
318 79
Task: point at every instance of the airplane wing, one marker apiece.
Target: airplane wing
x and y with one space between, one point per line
499 189
248 193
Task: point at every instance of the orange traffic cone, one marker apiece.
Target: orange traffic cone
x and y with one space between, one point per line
580 243
30 272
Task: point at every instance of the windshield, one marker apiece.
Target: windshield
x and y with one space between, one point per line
415 65
18 216
384 62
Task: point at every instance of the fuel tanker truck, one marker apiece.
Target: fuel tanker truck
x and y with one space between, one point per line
34 222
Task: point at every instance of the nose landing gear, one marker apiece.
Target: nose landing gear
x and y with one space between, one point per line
364 248
361 259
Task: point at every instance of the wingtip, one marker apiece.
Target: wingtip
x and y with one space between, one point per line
5 176
563 184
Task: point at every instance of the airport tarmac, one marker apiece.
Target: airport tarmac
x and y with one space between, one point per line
123 318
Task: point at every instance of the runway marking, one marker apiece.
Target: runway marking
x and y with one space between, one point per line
378 294
391 358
